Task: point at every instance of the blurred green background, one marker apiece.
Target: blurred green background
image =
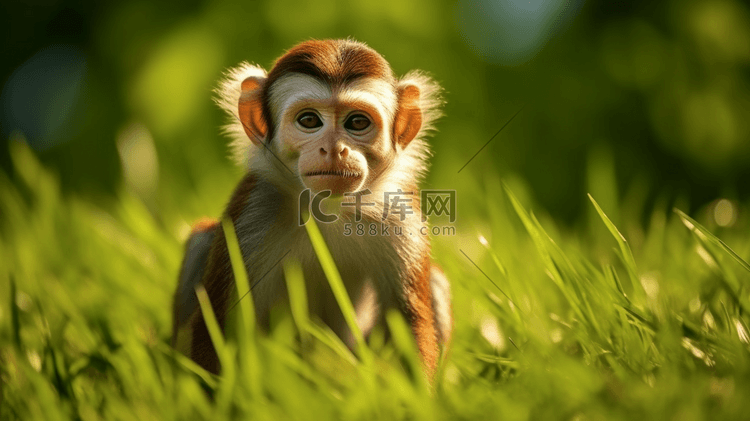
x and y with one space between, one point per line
649 98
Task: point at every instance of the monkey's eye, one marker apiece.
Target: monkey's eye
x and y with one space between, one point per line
357 123
309 120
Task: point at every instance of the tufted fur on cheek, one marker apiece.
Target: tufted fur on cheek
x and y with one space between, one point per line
228 96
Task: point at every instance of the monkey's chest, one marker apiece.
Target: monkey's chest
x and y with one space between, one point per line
371 268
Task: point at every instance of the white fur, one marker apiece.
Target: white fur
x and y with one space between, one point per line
376 92
412 161
228 98
296 87
441 299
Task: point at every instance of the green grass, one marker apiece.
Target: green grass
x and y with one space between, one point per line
604 321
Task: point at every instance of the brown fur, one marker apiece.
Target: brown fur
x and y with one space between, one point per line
419 311
409 116
420 314
203 225
249 110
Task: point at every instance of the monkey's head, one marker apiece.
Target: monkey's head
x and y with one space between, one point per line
333 114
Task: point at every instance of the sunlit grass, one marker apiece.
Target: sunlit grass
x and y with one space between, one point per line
649 323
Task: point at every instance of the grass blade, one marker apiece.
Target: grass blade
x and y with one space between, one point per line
214 330
404 342
627 254
713 246
247 350
538 235
246 304
187 364
337 285
295 284
706 236
14 319
224 352
298 304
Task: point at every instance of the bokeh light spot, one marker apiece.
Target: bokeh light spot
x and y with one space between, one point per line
39 97
511 32
140 163
725 213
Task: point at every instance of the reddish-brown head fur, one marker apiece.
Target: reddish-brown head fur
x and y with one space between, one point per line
335 62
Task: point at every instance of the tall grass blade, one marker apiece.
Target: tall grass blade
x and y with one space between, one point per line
714 246
541 243
347 309
214 330
247 350
626 253
295 284
404 342
14 317
223 351
188 364
246 304
298 302
337 285
707 237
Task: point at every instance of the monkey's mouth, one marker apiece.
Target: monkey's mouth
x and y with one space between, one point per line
334 173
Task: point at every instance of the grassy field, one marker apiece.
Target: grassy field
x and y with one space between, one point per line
580 323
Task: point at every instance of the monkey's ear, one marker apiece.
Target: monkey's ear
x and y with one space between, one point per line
419 104
251 109
229 94
409 115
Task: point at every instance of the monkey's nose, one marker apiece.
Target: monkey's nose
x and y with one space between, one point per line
341 151
344 152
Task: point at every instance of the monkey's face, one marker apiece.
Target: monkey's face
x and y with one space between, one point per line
338 137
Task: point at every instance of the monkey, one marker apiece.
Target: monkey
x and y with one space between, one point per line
329 118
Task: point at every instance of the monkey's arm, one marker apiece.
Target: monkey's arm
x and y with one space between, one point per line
191 273
419 310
